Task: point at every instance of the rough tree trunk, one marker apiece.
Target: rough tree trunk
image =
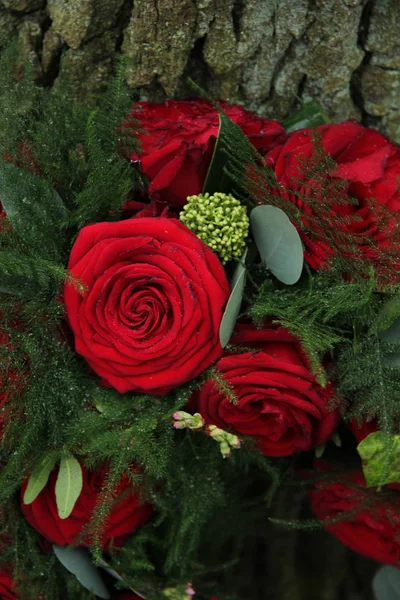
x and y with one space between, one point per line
263 53
266 54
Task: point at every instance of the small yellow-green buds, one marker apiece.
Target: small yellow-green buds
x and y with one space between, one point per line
185 420
220 221
179 593
226 440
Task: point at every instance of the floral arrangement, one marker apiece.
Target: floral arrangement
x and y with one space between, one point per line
198 306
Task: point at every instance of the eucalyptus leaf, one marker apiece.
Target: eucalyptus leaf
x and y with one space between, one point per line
77 561
68 486
386 583
310 114
38 479
278 243
232 309
373 451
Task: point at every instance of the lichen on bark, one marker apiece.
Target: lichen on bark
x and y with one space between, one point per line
158 41
266 54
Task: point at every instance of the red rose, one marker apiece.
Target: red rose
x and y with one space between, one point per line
178 139
126 515
278 400
373 530
149 320
7 586
368 161
361 431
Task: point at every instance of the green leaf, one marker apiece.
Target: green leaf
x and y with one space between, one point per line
319 450
374 454
39 478
278 243
232 309
77 561
68 486
31 204
311 114
386 583
218 180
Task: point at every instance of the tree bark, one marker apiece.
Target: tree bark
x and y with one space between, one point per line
266 54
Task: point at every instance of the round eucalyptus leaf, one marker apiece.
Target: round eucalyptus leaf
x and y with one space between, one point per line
278 243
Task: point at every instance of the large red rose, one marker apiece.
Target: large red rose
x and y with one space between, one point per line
278 400
7 587
128 511
178 139
366 160
149 320
368 521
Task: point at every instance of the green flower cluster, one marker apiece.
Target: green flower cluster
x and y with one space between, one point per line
220 221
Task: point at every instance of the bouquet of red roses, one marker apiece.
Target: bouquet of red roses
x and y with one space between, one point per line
198 306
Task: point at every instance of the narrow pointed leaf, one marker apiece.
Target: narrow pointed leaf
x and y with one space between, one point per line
232 309
77 561
68 486
38 479
278 243
104 565
310 114
218 179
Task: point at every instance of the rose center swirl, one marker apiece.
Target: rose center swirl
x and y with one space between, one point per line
136 308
